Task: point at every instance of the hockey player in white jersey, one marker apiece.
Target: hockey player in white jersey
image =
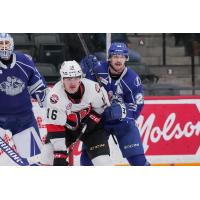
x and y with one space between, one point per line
74 103
19 81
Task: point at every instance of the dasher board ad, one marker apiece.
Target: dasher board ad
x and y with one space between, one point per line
169 128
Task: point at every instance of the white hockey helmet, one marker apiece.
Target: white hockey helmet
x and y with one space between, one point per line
6 45
70 69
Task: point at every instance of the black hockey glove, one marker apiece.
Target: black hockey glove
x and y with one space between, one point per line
60 158
71 136
91 120
74 120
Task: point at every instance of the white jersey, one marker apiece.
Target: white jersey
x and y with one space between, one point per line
59 105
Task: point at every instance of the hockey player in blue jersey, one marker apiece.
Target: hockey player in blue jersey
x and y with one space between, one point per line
19 81
125 93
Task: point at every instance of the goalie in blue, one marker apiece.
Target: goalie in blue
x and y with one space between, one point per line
125 93
19 81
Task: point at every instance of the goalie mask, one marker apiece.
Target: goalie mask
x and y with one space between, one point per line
70 69
6 46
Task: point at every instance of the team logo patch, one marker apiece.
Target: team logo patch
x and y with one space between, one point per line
97 88
54 98
12 86
69 106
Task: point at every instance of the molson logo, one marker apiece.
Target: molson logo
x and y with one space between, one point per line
170 127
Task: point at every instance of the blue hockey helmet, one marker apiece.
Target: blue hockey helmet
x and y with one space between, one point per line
118 49
6 45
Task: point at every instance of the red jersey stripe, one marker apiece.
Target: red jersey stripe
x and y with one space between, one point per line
55 128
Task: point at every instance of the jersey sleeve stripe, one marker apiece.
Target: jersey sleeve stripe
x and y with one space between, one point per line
55 128
35 86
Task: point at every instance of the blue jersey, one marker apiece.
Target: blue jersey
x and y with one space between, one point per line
127 89
18 82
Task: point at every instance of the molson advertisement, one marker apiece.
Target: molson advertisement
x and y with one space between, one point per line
169 128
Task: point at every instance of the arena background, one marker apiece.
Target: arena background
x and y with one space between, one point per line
169 66
86 16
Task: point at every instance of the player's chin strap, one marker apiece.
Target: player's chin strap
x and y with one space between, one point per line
34 160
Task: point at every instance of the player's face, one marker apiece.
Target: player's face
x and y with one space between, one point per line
71 85
5 45
118 63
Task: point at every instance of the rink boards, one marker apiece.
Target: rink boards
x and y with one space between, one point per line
169 128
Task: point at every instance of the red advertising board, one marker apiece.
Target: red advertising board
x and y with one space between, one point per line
169 128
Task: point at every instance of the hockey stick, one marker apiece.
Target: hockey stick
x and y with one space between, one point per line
71 147
86 50
16 157
105 97
83 43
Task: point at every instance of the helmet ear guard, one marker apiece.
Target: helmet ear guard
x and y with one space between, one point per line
6 45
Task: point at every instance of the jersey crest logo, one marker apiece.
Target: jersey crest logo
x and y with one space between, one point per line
114 97
117 98
118 94
54 98
12 86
